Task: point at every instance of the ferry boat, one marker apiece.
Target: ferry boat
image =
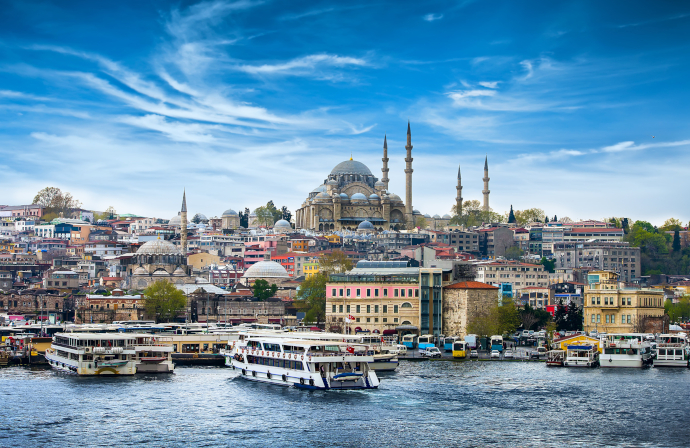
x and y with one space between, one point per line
153 354
625 350
302 363
555 358
93 353
672 351
581 356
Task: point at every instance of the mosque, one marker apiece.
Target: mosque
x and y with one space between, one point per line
351 198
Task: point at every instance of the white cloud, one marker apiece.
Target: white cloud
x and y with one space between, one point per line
433 17
489 84
302 66
622 146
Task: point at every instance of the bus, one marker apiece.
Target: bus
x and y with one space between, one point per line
497 343
448 343
425 341
410 341
460 349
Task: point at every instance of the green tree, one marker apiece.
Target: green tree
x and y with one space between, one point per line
285 214
676 241
473 214
420 221
311 298
671 224
549 265
485 322
264 216
524 217
244 218
55 201
508 316
514 253
163 301
511 216
264 291
678 312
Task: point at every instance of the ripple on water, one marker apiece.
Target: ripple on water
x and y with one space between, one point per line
487 404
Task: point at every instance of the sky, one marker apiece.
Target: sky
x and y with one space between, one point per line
580 107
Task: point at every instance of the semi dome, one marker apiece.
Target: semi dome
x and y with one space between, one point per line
175 221
358 197
230 212
158 247
282 225
344 196
394 197
374 196
179 272
365 225
416 212
351 167
266 269
319 189
322 196
140 271
332 182
379 184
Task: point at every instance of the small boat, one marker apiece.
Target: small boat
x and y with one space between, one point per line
581 356
555 358
153 354
93 353
672 351
626 350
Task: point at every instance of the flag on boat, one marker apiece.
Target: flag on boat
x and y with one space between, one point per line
350 349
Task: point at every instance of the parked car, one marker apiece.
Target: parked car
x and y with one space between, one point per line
431 352
402 349
474 354
541 351
508 354
495 354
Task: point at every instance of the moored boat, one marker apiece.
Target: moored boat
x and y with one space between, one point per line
672 351
581 356
625 350
555 358
93 353
153 354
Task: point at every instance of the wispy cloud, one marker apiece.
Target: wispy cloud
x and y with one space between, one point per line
649 22
303 66
489 84
432 17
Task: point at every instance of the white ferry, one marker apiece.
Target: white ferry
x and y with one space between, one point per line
303 364
625 350
581 356
672 351
153 354
93 353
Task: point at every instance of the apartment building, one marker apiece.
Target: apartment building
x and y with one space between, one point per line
618 257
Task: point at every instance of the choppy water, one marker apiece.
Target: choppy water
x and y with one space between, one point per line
422 404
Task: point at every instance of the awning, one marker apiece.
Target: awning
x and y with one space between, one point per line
406 327
273 321
385 332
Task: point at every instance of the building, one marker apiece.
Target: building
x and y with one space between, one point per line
230 220
464 301
351 194
612 306
156 260
494 241
5 281
106 309
462 241
518 275
15 211
619 257
202 260
382 296
61 279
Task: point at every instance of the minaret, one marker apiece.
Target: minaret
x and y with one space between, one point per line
183 225
409 219
384 170
486 191
458 200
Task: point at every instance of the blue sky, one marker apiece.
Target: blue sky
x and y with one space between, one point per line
581 107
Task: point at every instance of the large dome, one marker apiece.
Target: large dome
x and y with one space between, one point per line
282 225
175 221
230 212
351 167
158 247
365 225
266 269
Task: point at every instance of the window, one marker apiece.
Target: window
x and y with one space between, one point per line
368 319
358 293
606 300
385 320
395 309
406 305
376 308
376 319
368 309
385 292
598 318
402 293
593 318
368 292
385 308
416 293
598 300
592 300
613 318
628 318
348 309
333 309
395 319
340 308
333 292
341 293
358 319
347 292
376 293
358 308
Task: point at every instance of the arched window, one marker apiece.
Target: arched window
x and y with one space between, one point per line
406 305
407 322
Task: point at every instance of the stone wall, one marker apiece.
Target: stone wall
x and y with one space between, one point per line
460 306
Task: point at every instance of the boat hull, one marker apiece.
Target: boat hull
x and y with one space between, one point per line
671 363
88 368
161 367
615 361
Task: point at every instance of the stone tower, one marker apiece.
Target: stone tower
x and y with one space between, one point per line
183 225
486 191
384 170
409 218
458 199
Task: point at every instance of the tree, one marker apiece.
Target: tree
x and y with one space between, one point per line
528 320
264 216
511 216
514 253
671 224
549 265
55 201
508 316
163 301
473 214
523 217
285 214
485 322
264 291
277 214
420 221
334 263
568 317
244 218
676 241
311 298
555 218
196 219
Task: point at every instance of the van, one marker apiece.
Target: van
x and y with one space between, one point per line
402 350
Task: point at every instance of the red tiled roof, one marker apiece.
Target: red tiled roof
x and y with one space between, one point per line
471 285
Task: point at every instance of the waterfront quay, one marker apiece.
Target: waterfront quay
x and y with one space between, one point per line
421 404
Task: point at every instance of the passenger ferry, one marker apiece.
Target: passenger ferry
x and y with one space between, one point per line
425 341
93 353
153 354
581 356
497 343
460 349
672 351
303 364
448 343
625 350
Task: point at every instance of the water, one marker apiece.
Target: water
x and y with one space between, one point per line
423 404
